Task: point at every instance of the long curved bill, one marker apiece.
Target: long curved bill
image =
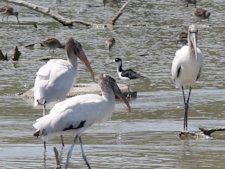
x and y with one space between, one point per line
118 93
85 61
194 42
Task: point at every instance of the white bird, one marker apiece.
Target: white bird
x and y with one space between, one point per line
56 77
186 67
80 112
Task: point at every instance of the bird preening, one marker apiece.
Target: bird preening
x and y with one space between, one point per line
186 68
80 112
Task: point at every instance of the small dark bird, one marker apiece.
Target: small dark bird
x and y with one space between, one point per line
8 11
52 43
182 38
191 2
111 2
202 13
127 74
110 42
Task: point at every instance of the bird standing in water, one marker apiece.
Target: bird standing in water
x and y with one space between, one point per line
127 74
80 112
202 13
186 68
110 42
56 77
7 11
52 43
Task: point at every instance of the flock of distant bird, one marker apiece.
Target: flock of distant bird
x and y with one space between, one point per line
55 79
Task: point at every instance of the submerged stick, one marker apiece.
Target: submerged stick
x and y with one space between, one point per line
119 13
16 55
210 131
1 55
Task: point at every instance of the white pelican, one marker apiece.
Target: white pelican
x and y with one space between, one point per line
186 67
56 77
80 112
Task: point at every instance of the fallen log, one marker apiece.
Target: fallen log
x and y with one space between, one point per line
49 12
208 132
119 13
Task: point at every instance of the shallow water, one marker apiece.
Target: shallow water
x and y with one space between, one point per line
148 136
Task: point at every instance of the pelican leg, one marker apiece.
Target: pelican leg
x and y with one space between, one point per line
70 152
3 18
62 141
83 155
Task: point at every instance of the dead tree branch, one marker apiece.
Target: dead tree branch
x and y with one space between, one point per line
119 13
49 12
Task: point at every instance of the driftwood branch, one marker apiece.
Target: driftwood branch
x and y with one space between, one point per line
210 131
119 13
49 12
17 54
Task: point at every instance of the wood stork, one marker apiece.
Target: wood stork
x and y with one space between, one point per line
8 11
52 43
202 13
56 77
186 67
80 112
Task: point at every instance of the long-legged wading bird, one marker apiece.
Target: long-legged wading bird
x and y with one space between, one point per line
80 112
8 11
52 43
190 2
202 13
56 77
186 67
127 74
110 42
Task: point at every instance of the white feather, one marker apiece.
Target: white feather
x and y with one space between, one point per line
54 80
90 108
185 58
